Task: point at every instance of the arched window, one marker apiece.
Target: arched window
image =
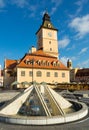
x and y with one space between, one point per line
38 73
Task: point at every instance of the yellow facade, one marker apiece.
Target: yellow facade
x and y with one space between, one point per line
49 76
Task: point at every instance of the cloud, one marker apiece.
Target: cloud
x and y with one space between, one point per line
80 4
2 4
20 3
64 42
84 64
80 25
56 4
64 60
53 10
71 47
32 7
83 50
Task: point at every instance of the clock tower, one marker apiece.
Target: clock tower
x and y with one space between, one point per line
47 37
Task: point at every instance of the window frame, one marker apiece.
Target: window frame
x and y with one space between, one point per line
63 75
30 73
39 74
22 73
55 74
48 74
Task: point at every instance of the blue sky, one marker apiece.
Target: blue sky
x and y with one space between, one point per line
20 19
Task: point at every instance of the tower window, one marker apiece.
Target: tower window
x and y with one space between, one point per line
50 49
49 42
49 25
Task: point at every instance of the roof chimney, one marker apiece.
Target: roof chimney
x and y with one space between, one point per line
33 49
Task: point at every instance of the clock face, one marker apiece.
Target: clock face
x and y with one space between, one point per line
49 34
49 25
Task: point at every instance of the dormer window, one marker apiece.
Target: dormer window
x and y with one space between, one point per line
28 61
58 63
32 61
48 63
54 63
39 62
43 62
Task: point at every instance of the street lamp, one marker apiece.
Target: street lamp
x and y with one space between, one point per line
32 70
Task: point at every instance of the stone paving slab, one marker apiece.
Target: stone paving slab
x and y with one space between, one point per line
7 95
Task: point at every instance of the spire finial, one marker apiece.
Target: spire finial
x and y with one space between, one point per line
46 11
46 16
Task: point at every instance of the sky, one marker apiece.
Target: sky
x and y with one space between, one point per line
20 20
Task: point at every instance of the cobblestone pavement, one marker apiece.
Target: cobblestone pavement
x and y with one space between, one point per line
82 125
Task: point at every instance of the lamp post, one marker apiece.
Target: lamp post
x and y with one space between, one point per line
32 70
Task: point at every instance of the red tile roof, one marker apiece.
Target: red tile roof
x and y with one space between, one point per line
39 58
43 54
10 64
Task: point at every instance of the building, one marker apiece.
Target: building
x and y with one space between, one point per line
69 64
82 75
72 70
78 75
1 77
42 63
73 74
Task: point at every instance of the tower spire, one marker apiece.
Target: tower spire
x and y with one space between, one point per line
46 17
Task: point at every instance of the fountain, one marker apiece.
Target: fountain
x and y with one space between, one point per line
41 105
